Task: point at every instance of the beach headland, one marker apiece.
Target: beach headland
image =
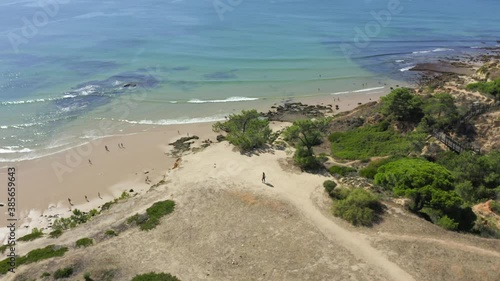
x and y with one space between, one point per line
45 184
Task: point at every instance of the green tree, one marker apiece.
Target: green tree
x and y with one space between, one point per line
247 130
403 105
307 132
426 183
440 111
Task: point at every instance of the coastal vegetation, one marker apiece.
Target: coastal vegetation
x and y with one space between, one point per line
34 256
77 217
84 242
63 273
248 130
153 215
35 234
357 206
490 88
152 276
55 233
373 141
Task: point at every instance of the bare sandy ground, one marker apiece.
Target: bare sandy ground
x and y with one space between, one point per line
228 225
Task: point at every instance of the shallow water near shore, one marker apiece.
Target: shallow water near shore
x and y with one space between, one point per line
105 68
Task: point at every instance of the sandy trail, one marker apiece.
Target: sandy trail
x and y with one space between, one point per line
294 187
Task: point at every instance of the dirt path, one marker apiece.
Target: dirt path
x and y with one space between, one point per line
353 242
446 243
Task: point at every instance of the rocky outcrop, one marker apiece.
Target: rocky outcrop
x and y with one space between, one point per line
290 112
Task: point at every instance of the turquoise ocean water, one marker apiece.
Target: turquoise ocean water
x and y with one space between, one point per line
67 66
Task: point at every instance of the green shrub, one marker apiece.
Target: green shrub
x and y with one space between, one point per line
495 206
156 212
341 170
403 105
447 223
371 141
111 232
63 273
34 256
55 233
247 130
84 242
152 276
360 207
491 88
305 159
35 234
133 219
45 274
329 186
340 193
87 277
3 248
371 169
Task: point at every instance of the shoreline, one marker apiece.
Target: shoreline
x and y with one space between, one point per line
52 179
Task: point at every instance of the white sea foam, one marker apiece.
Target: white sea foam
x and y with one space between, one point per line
339 93
433 51
164 122
407 68
231 99
400 61
368 90
10 149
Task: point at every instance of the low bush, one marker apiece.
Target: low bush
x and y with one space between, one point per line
63 273
3 248
329 186
34 256
155 213
56 233
495 206
45 274
372 141
341 170
371 169
84 242
152 276
305 159
35 234
87 277
359 207
111 232
447 223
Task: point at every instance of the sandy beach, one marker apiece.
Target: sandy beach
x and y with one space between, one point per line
46 184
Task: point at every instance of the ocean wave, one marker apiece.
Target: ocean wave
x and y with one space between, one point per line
84 91
407 68
433 51
339 93
12 149
231 99
164 122
368 90
399 61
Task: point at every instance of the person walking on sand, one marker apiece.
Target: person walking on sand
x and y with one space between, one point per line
122 145
263 177
106 147
90 162
86 198
99 195
69 200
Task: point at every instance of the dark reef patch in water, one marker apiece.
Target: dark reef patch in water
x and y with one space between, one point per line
221 75
90 95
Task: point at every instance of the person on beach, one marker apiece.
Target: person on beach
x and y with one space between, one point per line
122 145
69 200
106 147
90 162
86 198
99 195
263 177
